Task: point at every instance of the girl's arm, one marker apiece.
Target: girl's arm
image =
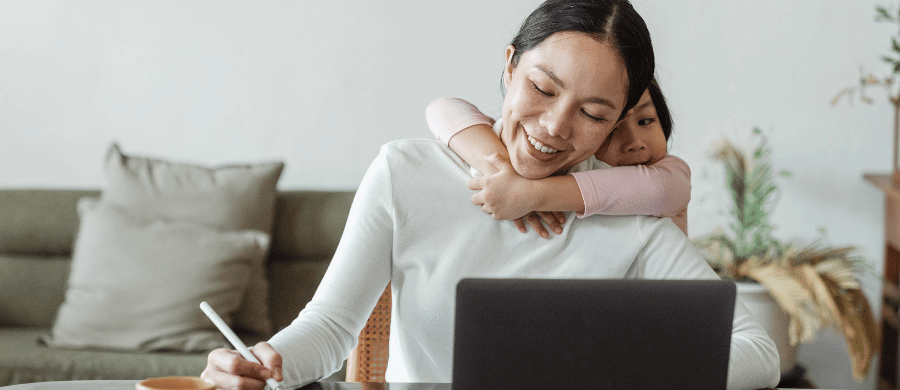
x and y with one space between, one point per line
470 134
662 189
508 195
448 117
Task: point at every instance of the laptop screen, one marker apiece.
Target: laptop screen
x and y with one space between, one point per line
597 334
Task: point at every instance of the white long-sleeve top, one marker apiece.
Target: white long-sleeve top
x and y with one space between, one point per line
411 223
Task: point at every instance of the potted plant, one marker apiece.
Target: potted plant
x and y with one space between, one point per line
809 285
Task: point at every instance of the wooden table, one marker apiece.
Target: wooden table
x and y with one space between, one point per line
890 320
129 385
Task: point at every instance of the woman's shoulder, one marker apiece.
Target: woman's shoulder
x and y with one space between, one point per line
421 155
415 147
590 164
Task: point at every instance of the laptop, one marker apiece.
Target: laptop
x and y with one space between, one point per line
592 334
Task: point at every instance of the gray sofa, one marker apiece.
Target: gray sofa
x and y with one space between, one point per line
37 230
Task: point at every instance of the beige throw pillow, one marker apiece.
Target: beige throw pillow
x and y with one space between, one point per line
137 284
225 198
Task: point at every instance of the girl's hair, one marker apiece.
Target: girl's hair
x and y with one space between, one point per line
613 21
662 109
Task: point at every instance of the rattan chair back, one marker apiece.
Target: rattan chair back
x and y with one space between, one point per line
368 361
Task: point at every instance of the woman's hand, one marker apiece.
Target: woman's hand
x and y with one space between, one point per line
227 369
506 195
553 219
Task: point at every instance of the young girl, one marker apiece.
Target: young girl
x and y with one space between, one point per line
644 180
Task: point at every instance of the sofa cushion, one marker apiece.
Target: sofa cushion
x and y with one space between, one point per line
136 284
24 360
31 289
309 224
293 283
39 221
226 198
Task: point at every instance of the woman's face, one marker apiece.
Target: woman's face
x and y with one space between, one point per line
637 140
562 101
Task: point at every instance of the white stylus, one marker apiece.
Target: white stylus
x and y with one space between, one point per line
235 341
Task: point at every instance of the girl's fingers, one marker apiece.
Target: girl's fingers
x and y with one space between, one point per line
477 199
500 162
476 183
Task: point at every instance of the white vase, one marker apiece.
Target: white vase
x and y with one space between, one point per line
772 318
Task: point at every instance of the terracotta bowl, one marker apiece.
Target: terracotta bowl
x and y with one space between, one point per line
175 383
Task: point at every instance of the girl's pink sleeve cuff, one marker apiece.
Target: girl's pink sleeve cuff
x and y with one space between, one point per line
448 116
588 195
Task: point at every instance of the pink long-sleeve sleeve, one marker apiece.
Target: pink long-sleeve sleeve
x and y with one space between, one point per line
448 116
662 189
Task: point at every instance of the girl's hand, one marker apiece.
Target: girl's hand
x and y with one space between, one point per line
504 195
227 369
553 219
507 195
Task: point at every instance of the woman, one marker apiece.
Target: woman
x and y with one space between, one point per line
596 59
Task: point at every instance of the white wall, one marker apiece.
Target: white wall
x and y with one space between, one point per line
322 84
727 66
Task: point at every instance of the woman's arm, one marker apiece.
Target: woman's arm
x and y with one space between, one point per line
667 254
662 189
319 340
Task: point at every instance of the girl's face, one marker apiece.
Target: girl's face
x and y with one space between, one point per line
637 140
562 100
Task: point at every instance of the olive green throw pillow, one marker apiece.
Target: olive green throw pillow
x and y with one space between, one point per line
136 284
231 197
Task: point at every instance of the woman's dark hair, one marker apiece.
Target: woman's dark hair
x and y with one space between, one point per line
662 109
614 21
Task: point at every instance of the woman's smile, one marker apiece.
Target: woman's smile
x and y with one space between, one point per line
561 103
534 149
537 154
539 146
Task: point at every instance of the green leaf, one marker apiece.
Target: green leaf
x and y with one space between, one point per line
882 14
889 60
897 68
895 44
785 173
